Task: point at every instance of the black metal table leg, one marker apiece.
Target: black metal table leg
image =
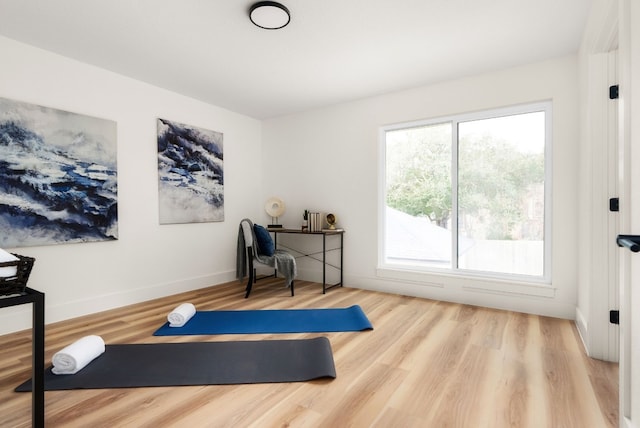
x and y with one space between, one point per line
324 263
38 359
341 255
35 297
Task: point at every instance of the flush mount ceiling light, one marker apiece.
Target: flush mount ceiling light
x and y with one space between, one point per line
269 15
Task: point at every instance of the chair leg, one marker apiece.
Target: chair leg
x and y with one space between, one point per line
292 288
252 274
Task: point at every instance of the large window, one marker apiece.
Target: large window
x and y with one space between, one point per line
469 194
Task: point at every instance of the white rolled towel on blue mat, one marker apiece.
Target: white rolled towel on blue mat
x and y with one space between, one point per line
180 315
75 357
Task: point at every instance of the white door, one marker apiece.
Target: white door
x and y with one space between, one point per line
602 337
612 298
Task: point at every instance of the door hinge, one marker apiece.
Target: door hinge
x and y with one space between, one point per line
613 92
614 204
614 317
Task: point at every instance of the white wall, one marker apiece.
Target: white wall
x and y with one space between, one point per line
327 160
148 260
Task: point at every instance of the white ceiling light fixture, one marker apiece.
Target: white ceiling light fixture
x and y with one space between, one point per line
269 15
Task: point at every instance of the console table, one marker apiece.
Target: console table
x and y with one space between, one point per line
37 354
324 234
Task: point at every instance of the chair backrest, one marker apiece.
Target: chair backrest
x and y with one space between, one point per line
247 230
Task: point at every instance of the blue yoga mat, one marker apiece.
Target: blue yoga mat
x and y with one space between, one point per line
271 321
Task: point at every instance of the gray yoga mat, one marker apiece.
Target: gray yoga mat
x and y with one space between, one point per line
200 363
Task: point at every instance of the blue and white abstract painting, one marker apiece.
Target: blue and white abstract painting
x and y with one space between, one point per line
191 174
58 181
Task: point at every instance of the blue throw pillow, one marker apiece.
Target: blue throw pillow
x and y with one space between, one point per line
265 243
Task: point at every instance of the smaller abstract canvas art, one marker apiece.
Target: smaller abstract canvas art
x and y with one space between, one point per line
190 173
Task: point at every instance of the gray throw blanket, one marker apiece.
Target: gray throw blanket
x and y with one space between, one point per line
282 261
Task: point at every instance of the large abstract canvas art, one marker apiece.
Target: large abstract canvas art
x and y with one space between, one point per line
190 171
58 180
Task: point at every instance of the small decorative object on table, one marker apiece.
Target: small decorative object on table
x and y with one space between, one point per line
331 224
331 221
275 208
305 220
14 272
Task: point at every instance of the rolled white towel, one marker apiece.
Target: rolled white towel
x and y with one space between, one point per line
8 271
75 357
181 314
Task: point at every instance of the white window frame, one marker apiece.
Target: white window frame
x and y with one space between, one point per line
429 275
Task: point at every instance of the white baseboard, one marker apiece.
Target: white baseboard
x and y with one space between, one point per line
315 275
535 305
581 325
19 318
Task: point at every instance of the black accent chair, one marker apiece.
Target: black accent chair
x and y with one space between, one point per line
255 259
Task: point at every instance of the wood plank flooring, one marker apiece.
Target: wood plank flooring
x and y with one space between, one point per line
425 364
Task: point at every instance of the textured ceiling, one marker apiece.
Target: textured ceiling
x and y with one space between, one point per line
332 51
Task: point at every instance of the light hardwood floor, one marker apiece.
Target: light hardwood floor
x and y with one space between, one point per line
425 364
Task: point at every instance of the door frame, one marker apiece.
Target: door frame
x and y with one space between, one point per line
599 178
629 141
